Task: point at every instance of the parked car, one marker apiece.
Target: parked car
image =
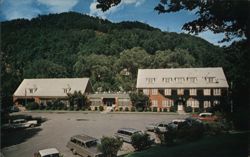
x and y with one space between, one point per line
84 145
50 152
206 116
175 123
162 127
22 123
125 134
151 126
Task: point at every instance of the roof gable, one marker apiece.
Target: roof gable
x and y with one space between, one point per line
55 87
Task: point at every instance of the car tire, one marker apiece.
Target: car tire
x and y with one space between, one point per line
74 152
32 125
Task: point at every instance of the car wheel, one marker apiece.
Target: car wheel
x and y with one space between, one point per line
32 125
74 152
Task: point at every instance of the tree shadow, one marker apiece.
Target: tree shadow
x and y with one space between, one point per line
17 136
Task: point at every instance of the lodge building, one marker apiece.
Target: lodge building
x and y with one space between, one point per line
195 87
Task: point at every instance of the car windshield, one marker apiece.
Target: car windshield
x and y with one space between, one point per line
52 155
91 143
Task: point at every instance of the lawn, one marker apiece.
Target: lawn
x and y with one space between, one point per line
226 145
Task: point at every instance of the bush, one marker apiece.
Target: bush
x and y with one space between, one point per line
188 109
110 146
96 108
197 110
89 108
41 106
71 108
140 141
154 109
32 106
120 109
139 109
160 110
150 109
101 108
173 108
65 108
132 109
126 109
49 105
165 110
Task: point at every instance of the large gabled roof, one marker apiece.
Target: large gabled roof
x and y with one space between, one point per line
201 76
51 87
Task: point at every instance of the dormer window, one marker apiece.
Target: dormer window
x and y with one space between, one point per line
210 79
31 90
179 79
167 79
67 89
150 80
191 79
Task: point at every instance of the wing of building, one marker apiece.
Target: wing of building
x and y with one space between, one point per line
195 87
42 90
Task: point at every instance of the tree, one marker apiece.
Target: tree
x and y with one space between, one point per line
140 141
139 100
110 146
79 100
220 16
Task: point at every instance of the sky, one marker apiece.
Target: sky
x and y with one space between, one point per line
127 10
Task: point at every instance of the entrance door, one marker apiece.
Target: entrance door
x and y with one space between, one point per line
180 106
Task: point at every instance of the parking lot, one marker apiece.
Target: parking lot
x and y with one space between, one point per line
59 127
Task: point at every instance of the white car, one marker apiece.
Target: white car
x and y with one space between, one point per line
162 127
174 123
50 152
22 123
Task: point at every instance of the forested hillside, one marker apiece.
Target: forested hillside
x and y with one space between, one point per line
76 45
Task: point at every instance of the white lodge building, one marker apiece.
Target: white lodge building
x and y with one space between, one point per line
195 87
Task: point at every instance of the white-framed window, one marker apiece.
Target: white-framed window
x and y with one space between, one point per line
179 79
167 92
167 79
207 92
180 91
146 91
210 79
150 80
193 103
154 91
192 92
216 102
217 92
191 79
206 104
167 103
154 103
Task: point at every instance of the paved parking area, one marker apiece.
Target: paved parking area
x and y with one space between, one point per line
59 127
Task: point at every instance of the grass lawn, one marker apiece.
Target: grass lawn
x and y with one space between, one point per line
226 145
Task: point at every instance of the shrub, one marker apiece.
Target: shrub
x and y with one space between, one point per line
32 106
126 109
150 109
196 109
41 106
65 108
139 109
173 108
101 108
110 146
165 110
132 109
95 108
160 110
188 109
140 141
89 108
154 109
71 108
49 105
120 109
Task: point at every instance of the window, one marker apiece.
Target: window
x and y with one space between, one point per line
167 103
207 92
206 104
167 79
154 91
210 79
31 90
150 80
154 103
146 91
193 103
191 79
167 91
179 79
216 102
192 92
217 92
180 91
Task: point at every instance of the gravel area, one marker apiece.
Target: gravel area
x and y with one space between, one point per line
59 127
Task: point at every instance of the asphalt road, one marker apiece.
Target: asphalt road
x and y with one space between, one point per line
59 127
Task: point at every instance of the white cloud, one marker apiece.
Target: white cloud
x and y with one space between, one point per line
97 12
13 9
58 6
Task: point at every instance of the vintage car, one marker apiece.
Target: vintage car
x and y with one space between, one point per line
84 145
125 134
50 152
23 123
206 117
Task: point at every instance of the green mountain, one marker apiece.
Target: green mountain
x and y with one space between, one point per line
77 45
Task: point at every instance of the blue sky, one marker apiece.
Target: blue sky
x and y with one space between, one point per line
127 10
